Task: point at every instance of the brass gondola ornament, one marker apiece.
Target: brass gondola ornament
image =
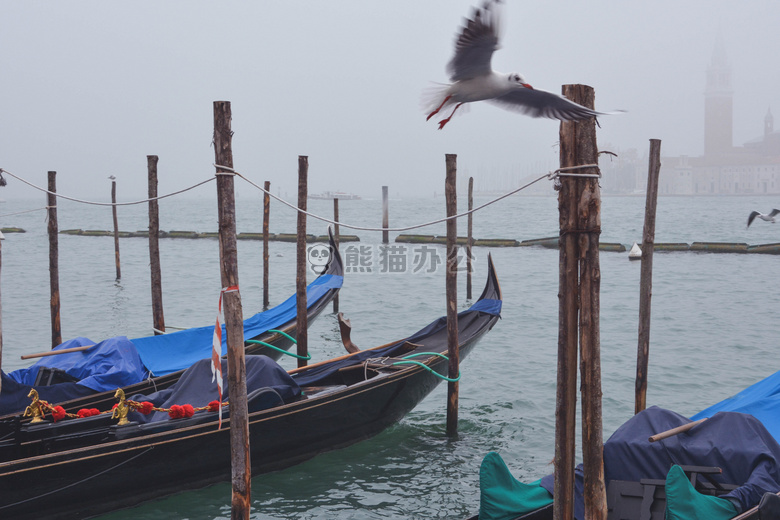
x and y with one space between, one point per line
121 409
35 410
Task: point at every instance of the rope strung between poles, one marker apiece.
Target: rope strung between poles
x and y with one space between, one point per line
104 203
554 176
25 211
551 176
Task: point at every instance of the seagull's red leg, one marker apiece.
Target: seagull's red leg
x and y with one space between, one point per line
445 121
437 110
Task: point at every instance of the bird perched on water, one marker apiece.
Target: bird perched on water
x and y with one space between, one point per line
770 217
473 78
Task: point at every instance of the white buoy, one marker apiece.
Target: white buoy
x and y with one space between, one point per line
635 253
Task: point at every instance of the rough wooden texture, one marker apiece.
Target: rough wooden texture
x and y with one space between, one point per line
54 270
158 316
336 239
385 216
234 320
646 277
453 353
266 254
116 230
300 278
580 222
470 238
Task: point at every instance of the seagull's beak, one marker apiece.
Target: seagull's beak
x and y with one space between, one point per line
527 85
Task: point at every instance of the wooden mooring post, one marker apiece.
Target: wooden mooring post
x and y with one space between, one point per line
579 205
385 216
266 253
54 269
300 278
469 238
336 239
646 276
234 320
451 197
116 228
158 316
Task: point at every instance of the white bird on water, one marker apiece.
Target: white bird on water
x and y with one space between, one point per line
473 78
769 217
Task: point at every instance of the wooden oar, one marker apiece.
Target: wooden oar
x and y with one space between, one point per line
675 431
57 352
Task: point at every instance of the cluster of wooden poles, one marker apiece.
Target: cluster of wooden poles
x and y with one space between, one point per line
579 205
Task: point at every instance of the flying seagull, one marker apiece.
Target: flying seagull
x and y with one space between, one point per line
769 217
473 78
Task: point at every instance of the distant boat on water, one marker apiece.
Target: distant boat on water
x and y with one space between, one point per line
330 195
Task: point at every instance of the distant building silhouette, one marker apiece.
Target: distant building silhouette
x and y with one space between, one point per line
751 169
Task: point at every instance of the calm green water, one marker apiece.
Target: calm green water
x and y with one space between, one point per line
715 329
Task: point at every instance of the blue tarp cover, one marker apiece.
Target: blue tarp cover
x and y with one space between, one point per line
737 443
179 350
761 400
106 366
119 362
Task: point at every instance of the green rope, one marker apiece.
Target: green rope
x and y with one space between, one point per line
407 361
283 334
296 356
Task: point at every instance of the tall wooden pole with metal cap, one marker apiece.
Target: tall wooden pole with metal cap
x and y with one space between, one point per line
234 321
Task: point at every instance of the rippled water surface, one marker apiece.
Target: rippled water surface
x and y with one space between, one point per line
715 329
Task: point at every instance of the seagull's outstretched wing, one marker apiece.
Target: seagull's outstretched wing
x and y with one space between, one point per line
752 217
774 212
475 44
540 103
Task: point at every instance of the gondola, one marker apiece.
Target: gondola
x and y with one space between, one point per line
82 467
155 362
722 463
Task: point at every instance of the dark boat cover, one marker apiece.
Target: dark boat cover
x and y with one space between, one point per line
737 443
196 387
118 362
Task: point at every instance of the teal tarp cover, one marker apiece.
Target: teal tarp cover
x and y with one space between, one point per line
683 502
502 497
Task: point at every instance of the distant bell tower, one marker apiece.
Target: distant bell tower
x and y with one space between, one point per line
718 105
769 123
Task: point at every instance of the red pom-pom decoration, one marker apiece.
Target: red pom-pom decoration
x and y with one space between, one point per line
94 411
188 410
176 412
213 406
58 413
146 408
84 413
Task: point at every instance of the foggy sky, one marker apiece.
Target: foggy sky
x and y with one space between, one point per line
90 88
